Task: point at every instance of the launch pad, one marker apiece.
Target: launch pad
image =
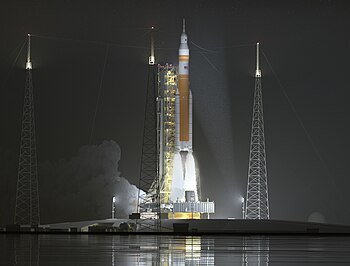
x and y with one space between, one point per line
191 226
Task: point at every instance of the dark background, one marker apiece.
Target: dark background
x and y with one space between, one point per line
305 103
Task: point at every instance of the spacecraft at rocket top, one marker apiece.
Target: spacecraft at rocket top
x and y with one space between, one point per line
183 98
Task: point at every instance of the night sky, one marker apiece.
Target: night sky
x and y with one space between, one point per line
305 88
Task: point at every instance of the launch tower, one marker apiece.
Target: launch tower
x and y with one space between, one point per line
27 196
167 83
257 204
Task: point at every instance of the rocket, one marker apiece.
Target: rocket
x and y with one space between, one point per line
183 100
184 170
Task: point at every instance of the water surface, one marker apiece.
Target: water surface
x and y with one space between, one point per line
113 250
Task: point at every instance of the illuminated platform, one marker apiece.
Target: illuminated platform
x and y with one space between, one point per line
184 215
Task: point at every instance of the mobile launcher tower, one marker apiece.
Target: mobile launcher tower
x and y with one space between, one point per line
179 182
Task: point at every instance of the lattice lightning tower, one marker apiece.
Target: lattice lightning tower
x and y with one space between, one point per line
27 197
149 204
257 203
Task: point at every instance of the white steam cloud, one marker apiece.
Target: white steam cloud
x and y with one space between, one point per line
82 188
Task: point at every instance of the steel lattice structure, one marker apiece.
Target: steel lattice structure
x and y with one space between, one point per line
149 203
167 80
27 197
257 203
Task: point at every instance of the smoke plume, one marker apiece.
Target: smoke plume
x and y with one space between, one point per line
82 187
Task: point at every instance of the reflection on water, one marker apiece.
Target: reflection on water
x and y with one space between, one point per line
115 250
256 251
190 250
26 250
